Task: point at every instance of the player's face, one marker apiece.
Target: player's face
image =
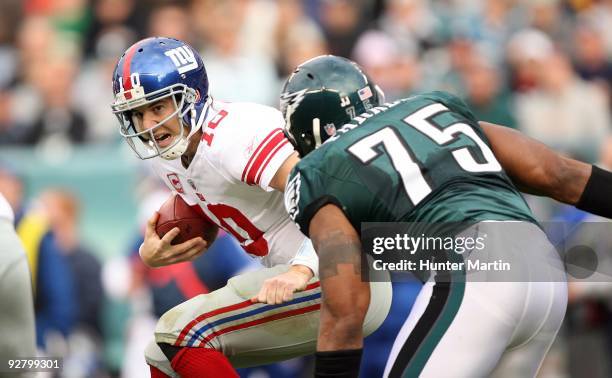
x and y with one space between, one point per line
150 115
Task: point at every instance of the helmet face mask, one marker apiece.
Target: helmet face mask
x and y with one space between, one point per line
152 70
321 96
142 140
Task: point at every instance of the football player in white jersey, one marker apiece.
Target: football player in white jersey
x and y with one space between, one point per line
17 335
225 160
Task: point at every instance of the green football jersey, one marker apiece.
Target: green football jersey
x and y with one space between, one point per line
420 159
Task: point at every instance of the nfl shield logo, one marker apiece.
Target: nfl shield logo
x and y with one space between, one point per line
330 129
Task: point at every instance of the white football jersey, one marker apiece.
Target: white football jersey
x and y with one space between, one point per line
5 209
242 148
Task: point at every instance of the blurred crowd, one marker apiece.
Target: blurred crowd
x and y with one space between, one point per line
543 67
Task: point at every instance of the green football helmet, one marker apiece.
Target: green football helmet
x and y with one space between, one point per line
320 96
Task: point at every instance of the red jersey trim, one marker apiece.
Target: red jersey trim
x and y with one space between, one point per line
262 155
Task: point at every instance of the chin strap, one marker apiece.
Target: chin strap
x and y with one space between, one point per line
179 148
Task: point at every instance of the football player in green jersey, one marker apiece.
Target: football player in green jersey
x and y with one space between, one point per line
427 159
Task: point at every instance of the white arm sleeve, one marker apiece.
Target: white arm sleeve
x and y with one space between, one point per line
307 256
256 147
5 209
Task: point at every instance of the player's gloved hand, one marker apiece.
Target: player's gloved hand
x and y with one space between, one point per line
279 289
156 251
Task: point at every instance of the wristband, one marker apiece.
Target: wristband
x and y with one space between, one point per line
597 195
338 363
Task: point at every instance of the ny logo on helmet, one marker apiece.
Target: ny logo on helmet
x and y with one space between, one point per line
183 58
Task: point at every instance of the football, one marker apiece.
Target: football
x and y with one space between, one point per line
175 212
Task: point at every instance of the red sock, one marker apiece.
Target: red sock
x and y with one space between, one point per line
202 363
156 373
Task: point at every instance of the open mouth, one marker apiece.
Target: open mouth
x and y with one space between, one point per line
163 140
